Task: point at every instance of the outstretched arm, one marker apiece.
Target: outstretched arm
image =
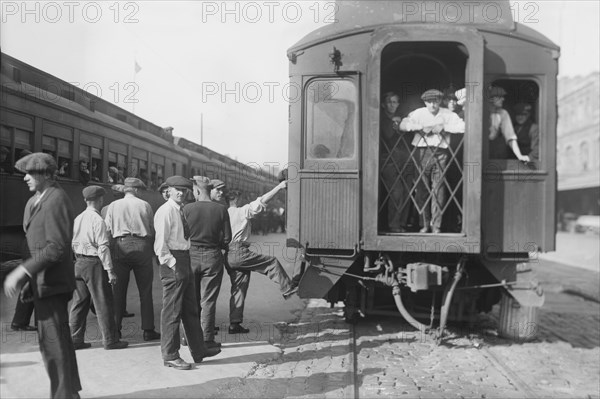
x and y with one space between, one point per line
268 196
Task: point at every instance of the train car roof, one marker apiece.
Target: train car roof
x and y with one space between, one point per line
355 17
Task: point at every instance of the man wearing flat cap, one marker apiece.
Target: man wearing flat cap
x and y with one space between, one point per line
210 234
500 123
130 222
48 272
240 279
527 131
94 273
172 247
432 126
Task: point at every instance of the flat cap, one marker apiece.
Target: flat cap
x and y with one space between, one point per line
495 91
216 183
37 162
118 188
113 169
179 182
91 193
134 182
432 94
282 175
522 108
202 181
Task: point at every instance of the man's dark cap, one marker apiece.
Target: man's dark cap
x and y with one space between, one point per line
216 183
134 182
91 193
282 175
37 162
432 94
179 182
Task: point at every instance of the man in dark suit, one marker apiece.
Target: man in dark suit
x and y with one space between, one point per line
48 224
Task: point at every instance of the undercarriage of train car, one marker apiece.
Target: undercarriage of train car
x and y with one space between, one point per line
428 290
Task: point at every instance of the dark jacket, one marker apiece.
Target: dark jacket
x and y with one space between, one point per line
49 231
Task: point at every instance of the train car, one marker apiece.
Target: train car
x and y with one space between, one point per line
498 212
94 142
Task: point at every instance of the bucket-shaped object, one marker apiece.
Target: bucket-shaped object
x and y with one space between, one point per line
517 322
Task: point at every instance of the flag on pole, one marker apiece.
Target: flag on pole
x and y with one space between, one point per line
137 67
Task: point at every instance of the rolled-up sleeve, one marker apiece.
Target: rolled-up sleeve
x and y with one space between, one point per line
254 208
162 228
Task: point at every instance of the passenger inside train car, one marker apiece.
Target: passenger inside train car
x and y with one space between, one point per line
502 95
410 69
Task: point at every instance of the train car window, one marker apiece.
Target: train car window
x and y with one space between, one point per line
157 176
331 119
61 150
174 168
518 100
117 167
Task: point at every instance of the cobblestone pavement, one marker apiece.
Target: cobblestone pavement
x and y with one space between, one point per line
393 360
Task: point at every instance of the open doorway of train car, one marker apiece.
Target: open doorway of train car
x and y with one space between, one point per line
414 186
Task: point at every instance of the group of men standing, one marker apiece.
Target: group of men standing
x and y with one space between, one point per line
193 242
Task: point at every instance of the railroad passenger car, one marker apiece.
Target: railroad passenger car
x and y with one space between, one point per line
498 212
40 112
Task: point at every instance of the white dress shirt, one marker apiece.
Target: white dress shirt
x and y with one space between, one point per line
169 233
422 119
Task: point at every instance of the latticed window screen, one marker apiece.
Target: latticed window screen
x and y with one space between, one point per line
411 180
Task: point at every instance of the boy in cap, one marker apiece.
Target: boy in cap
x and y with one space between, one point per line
240 279
48 224
172 247
94 273
527 131
130 222
210 234
432 125
500 122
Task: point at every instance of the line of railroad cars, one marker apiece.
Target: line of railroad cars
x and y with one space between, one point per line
40 112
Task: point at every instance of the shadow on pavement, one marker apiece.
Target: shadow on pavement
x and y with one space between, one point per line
315 384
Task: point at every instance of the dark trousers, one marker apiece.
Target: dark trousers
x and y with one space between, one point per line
240 281
207 266
133 253
179 305
91 284
56 345
23 312
431 189
241 258
397 176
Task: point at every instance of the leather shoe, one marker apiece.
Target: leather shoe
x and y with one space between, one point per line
17 327
117 345
436 231
151 335
210 352
178 364
81 345
212 344
424 230
238 329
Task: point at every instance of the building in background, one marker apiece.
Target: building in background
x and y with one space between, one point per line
578 146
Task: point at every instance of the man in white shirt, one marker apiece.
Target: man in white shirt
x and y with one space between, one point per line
94 273
432 126
172 247
240 257
500 123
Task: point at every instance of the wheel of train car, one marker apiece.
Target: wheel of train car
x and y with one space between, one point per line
517 322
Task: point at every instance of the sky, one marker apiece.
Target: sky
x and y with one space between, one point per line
219 67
